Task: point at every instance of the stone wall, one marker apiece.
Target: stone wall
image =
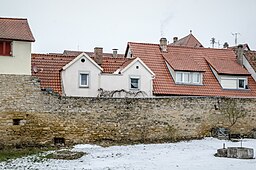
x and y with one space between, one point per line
30 116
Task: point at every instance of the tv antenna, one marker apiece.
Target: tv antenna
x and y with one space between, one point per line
213 41
235 35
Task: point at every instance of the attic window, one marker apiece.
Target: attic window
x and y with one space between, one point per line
82 60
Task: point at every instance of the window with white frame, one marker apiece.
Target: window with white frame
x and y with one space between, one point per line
83 79
241 83
134 83
196 78
188 77
233 83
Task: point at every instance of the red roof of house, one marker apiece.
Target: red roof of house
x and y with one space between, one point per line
188 41
47 68
227 66
251 57
76 53
163 84
15 29
180 62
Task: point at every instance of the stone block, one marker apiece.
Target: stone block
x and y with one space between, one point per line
240 153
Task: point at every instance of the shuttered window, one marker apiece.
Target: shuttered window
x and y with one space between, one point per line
5 48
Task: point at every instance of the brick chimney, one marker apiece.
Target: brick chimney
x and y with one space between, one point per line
98 54
115 52
240 53
175 39
163 44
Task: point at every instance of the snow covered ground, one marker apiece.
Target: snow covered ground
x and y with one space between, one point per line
190 155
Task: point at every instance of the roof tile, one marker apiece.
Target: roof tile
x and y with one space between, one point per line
15 29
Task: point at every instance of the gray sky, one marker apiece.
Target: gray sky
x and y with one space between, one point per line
84 24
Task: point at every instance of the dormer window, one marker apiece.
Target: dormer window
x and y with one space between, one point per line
188 77
233 82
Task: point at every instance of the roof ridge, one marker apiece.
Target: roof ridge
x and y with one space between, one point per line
203 48
51 55
13 18
143 43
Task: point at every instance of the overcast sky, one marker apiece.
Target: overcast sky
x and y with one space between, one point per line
83 24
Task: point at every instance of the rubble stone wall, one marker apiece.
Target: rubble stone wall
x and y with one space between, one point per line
30 116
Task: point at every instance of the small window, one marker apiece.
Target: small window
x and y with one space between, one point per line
5 48
241 83
196 78
134 83
179 77
84 80
82 60
16 121
186 77
59 141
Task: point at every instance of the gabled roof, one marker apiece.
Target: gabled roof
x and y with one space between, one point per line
47 67
163 84
227 66
188 41
180 62
128 64
78 57
15 29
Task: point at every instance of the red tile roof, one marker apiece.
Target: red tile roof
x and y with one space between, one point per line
48 67
76 53
163 84
251 57
181 63
15 29
227 66
188 41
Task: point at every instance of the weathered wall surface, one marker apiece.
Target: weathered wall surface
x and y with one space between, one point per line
42 117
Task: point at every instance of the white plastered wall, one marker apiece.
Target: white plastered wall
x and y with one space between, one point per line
111 82
70 79
20 61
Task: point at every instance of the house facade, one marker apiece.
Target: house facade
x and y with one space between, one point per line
15 46
96 74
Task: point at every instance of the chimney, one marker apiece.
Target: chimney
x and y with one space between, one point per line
240 53
115 52
225 45
163 44
98 54
175 39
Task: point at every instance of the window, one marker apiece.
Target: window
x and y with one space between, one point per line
188 77
196 78
134 83
5 48
16 121
84 80
179 77
241 83
233 83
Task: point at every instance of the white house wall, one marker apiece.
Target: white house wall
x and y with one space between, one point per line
20 61
111 82
70 79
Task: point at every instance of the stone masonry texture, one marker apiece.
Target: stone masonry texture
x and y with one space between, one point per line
30 116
